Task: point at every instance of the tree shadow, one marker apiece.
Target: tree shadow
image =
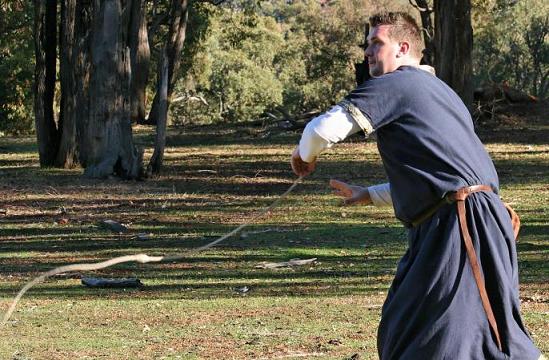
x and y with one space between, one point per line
354 258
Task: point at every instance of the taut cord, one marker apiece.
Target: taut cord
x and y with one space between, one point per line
141 258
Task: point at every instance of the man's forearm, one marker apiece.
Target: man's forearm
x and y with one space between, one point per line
311 144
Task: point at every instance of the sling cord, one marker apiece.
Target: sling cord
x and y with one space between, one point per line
140 258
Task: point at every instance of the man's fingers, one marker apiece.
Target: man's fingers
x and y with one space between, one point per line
340 188
352 194
297 163
336 184
304 169
311 166
343 193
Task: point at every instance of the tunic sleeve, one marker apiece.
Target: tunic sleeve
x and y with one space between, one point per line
378 101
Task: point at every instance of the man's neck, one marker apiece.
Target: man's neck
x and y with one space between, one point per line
409 62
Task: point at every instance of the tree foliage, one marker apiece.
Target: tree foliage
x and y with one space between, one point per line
512 44
289 57
232 69
246 58
16 66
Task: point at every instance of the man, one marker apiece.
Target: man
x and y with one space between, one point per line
455 293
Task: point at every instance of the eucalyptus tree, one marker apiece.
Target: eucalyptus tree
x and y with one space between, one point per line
454 46
45 36
105 56
95 65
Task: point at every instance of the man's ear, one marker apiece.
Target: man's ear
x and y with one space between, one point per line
403 49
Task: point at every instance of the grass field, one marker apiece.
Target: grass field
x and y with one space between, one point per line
214 180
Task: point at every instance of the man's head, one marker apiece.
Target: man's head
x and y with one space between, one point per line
394 40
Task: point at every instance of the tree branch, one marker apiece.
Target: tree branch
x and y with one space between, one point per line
420 8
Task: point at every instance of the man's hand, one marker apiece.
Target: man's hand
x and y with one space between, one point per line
300 167
353 194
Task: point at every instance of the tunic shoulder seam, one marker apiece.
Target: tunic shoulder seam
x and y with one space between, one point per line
357 115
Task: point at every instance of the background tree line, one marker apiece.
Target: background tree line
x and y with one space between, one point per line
99 66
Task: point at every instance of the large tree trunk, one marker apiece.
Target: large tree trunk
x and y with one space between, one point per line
176 38
109 132
155 163
67 153
454 46
82 74
45 39
140 59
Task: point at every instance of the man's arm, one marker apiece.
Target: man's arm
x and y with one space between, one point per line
319 134
377 195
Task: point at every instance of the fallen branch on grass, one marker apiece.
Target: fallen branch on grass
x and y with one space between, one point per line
111 283
244 235
292 262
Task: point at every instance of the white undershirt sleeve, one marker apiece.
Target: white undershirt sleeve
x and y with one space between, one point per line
381 195
324 131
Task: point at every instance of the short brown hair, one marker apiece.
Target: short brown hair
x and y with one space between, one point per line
403 28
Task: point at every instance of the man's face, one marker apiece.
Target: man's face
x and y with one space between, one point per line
381 51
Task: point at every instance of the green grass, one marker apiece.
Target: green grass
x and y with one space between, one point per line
214 180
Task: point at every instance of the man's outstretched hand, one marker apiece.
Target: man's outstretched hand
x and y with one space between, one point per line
352 194
300 167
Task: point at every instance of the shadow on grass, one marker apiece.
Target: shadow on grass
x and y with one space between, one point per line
18 145
269 236
353 259
344 253
238 177
528 136
537 134
329 277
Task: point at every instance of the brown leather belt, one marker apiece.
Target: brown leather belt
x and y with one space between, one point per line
459 197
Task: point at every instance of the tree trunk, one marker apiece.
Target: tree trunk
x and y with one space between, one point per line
428 32
176 38
155 163
67 153
45 40
82 74
362 70
109 132
140 59
454 46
